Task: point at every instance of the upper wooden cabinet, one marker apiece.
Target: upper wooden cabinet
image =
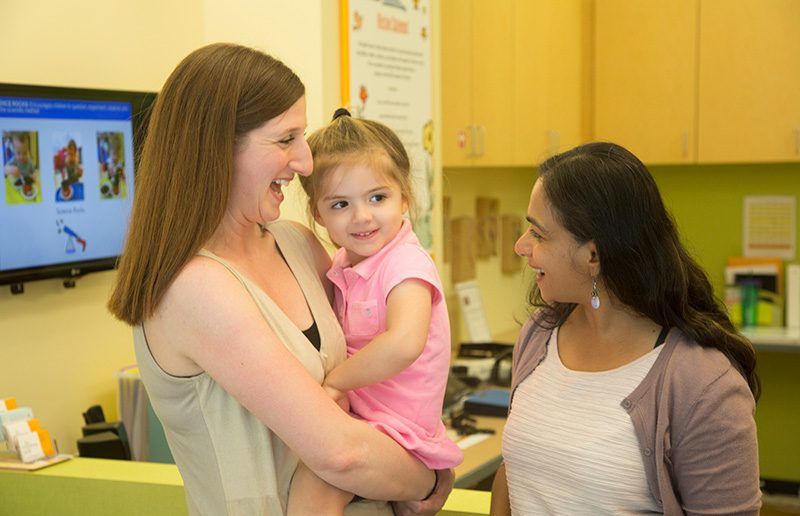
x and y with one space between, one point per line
477 81
645 77
511 73
493 81
550 41
749 87
458 142
698 81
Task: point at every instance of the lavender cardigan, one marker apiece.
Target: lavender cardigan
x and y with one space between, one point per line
693 416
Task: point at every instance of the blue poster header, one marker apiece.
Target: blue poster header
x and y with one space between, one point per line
17 107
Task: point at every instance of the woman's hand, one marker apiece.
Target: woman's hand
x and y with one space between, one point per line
434 503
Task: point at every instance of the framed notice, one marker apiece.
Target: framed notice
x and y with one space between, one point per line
386 77
769 226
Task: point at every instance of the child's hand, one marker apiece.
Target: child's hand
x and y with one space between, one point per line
338 396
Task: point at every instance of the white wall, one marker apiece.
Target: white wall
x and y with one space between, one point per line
60 348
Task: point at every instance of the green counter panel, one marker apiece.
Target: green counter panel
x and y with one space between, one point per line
98 487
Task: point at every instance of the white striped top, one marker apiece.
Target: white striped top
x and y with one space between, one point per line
569 446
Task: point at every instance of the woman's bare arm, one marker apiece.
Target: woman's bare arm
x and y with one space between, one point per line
501 504
208 317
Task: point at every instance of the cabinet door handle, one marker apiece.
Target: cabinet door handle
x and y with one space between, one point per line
472 138
797 140
685 144
482 132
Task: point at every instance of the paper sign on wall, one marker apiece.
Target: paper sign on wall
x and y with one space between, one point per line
770 226
471 305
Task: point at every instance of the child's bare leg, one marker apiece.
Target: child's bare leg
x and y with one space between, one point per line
309 494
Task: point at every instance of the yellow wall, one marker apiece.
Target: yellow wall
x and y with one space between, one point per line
60 347
93 43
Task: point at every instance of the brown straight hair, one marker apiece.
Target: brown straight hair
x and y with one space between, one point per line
212 99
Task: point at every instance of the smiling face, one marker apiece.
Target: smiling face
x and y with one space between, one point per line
564 267
21 150
265 161
362 209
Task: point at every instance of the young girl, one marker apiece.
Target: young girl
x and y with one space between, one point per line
388 298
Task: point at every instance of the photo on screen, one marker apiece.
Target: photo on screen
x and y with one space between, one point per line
111 161
68 166
21 167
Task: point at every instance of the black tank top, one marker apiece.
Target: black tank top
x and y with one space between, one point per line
312 334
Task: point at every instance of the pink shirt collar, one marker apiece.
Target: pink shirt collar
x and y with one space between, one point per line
367 267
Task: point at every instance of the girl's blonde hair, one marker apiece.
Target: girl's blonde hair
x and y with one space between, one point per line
348 140
214 97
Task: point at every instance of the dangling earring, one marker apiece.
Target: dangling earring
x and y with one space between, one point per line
595 294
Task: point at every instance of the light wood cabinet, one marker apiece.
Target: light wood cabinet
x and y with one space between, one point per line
749 84
477 80
456 75
512 80
493 81
550 48
645 77
698 81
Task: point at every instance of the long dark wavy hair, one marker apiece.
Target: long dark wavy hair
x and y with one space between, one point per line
603 193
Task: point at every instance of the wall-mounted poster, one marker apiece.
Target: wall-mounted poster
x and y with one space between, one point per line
386 77
769 227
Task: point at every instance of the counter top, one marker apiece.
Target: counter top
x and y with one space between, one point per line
98 487
482 459
774 339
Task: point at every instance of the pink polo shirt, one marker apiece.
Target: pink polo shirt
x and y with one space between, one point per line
408 406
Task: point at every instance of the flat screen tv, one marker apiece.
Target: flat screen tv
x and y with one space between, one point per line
68 158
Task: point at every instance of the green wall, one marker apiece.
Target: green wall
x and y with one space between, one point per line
707 201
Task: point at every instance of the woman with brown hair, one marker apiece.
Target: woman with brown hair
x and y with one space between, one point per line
233 328
632 392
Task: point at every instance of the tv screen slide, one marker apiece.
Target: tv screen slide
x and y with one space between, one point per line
68 180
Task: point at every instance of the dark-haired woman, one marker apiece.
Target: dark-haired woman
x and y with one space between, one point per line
632 392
